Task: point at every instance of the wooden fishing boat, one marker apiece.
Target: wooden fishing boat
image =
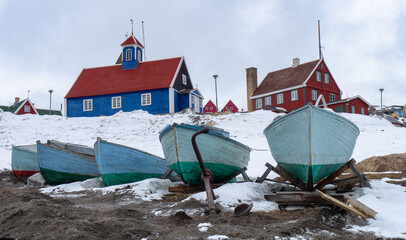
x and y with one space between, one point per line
119 164
24 162
64 162
311 143
221 155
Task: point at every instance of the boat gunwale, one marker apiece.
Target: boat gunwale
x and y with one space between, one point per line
278 119
116 144
65 150
211 133
25 150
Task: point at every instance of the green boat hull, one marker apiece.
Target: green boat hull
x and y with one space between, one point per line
55 177
317 172
191 173
122 178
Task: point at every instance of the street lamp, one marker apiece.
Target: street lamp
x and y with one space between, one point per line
381 89
50 100
215 80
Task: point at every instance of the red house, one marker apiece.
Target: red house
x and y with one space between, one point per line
350 105
209 107
294 87
230 106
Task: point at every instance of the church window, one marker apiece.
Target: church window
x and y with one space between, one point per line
145 99
128 55
88 105
184 79
116 102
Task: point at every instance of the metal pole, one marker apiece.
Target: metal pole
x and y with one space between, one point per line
50 100
319 40
215 80
381 89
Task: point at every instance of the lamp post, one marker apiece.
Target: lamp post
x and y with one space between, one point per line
50 100
215 81
381 89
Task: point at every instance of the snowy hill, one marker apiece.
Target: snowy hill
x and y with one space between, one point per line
140 130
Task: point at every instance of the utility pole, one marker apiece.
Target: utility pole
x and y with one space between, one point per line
50 100
319 40
215 80
381 89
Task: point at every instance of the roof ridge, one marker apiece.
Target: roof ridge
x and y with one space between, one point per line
294 67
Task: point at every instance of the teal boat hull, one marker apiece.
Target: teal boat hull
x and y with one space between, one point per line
119 164
311 143
24 161
221 155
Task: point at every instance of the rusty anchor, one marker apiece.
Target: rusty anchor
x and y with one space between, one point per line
207 175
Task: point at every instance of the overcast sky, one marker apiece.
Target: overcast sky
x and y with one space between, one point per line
46 44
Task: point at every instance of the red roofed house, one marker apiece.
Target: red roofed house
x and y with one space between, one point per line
210 107
160 86
230 106
294 87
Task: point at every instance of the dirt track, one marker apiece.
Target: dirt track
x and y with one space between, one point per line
25 213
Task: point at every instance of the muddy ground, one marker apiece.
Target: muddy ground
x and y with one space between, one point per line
25 213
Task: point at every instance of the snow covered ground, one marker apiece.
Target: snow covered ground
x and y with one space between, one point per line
141 130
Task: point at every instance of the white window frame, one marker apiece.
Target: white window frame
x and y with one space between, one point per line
128 54
184 79
116 102
294 95
146 99
314 95
87 105
279 98
207 108
362 111
318 76
258 103
326 78
352 109
211 108
332 97
27 108
268 101
231 108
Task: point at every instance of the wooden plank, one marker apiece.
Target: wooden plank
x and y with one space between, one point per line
167 174
190 188
340 204
367 211
299 198
333 176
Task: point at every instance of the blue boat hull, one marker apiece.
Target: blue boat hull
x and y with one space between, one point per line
59 165
120 164
311 143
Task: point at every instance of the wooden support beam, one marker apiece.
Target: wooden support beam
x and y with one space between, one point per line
363 180
167 173
269 168
333 176
242 172
340 204
292 179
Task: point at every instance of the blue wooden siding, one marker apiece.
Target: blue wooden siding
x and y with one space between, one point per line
130 64
176 101
183 101
129 102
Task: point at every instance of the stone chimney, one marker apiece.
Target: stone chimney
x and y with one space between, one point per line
17 99
251 85
295 62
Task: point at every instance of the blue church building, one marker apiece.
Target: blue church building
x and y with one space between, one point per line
159 86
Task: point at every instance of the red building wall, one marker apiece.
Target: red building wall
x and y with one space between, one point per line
209 107
22 109
230 106
357 103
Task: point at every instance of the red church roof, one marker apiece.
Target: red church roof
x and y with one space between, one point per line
112 79
131 40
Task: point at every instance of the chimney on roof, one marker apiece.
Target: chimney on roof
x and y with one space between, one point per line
295 62
251 86
17 99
